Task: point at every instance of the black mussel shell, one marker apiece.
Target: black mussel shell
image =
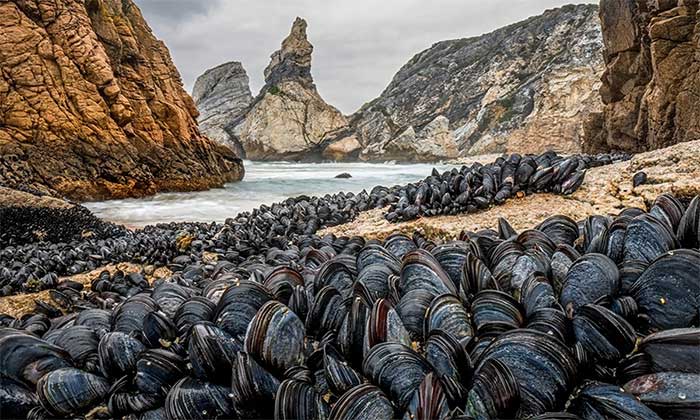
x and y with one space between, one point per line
596 400
26 358
339 376
326 313
421 270
647 238
495 392
15 400
412 309
238 305
118 353
603 334
670 394
210 351
70 391
668 292
676 350
494 312
363 402
397 369
447 313
297 400
688 231
128 316
590 278
384 325
275 337
450 361
193 399
429 400
254 388
157 370
196 309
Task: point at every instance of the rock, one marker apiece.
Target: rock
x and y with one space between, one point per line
524 88
289 120
93 107
605 190
30 216
652 76
222 94
344 149
344 175
433 143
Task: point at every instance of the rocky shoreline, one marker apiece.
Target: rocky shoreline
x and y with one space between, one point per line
193 329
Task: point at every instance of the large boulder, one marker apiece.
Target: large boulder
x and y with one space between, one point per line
222 94
651 84
93 107
289 120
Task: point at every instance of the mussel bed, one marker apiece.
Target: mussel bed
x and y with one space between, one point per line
570 319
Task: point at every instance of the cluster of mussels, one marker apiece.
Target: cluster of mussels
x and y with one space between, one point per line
597 319
476 187
27 266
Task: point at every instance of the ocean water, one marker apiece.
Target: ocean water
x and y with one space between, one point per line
264 183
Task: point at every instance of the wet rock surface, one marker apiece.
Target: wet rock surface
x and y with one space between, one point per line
94 108
652 76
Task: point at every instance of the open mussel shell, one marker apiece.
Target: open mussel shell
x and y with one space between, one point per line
254 388
363 402
647 238
421 270
190 398
210 350
118 353
384 325
428 401
238 305
70 391
298 400
276 337
668 292
447 313
676 350
670 394
15 399
543 366
397 369
157 370
591 277
495 392
603 335
597 400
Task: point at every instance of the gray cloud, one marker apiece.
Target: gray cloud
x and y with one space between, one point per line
358 45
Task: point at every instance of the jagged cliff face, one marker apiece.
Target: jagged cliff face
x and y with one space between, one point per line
289 119
524 88
91 105
222 94
651 85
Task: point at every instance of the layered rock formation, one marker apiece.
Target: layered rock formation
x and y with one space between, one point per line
289 119
525 87
92 107
651 85
222 94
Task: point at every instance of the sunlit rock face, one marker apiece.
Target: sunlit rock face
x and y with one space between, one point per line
93 107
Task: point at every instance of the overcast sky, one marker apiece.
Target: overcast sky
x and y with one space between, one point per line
358 44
